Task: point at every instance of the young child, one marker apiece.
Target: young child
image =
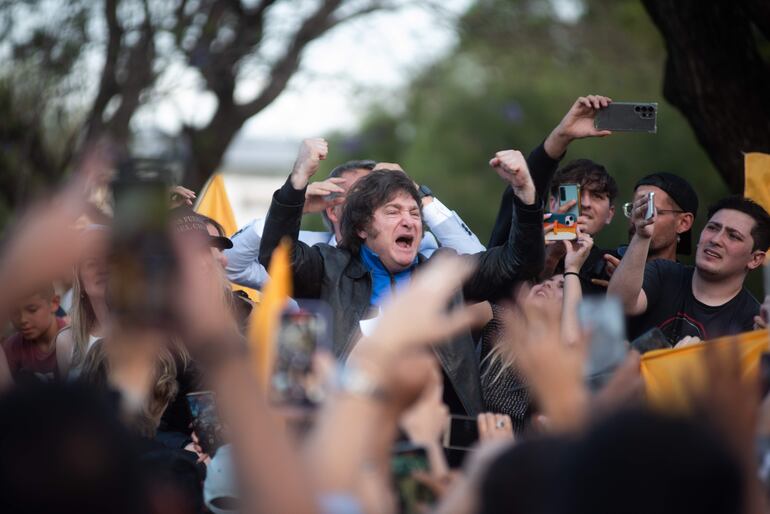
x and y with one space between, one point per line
31 350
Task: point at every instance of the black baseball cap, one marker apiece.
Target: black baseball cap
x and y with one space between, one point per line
187 222
682 193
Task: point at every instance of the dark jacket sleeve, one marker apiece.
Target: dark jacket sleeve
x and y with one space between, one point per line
520 258
283 220
542 168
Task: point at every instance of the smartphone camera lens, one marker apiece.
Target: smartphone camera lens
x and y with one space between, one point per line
563 195
637 108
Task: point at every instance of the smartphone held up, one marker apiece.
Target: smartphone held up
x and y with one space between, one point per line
628 117
562 225
303 330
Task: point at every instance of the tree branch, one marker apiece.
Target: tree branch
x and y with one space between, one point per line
108 84
283 69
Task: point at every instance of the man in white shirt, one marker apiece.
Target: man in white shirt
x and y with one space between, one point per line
327 198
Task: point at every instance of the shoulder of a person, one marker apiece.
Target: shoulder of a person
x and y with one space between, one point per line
444 250
312 238
749 300
65 337
11 342
667 266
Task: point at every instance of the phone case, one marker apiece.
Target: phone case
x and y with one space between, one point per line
564 227
628 117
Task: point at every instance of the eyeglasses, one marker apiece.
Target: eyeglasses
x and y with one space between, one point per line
628 208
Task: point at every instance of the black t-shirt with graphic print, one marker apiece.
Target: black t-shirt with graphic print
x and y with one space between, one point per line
673 308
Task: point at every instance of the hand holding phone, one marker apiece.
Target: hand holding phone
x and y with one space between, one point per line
413 495
206 424
302 331
462 433
602 317
628 117
562 225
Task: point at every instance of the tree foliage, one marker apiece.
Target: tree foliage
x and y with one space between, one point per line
78 70
517 68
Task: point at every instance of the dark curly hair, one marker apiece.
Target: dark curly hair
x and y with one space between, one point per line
588 174
760 233
367 195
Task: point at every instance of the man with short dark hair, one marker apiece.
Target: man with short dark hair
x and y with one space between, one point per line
598 188
705 301
598 191
381 228
327 197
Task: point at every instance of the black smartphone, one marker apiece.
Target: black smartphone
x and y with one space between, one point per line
653 339
628 117
302 331
462 433
142 263
206 422
413 496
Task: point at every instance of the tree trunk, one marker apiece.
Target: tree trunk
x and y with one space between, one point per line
716 77
208 146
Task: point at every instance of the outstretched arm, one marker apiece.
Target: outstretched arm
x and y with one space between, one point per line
626 282
521 257
578 123
285 216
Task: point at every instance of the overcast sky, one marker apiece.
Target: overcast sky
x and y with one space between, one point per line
379 52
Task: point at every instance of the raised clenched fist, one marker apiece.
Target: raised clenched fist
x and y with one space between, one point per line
512 167
311 153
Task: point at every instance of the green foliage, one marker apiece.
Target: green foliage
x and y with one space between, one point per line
516 70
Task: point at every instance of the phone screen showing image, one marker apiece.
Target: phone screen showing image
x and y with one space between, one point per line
413 496
206 422
301 332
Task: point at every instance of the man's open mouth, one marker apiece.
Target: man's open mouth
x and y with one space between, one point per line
712 253
404 241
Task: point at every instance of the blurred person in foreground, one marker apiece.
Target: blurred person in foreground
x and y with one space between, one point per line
31 351
381 228
705 301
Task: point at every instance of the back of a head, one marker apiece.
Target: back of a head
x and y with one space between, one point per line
64 450
525 478
641 462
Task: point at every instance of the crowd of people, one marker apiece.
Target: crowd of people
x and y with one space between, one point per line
453 378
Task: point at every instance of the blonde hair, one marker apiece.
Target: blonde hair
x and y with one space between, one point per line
82 320
96 369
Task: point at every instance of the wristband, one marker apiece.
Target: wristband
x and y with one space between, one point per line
571 273
357 382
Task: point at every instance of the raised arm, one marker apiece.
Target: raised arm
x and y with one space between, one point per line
576 255
284 218
578 123
626 282
521 257
243 266
449 228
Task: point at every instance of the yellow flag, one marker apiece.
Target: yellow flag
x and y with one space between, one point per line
757 175
670 375
214 203
263 324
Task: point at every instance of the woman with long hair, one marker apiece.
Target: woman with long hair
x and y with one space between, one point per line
89 313
503 388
